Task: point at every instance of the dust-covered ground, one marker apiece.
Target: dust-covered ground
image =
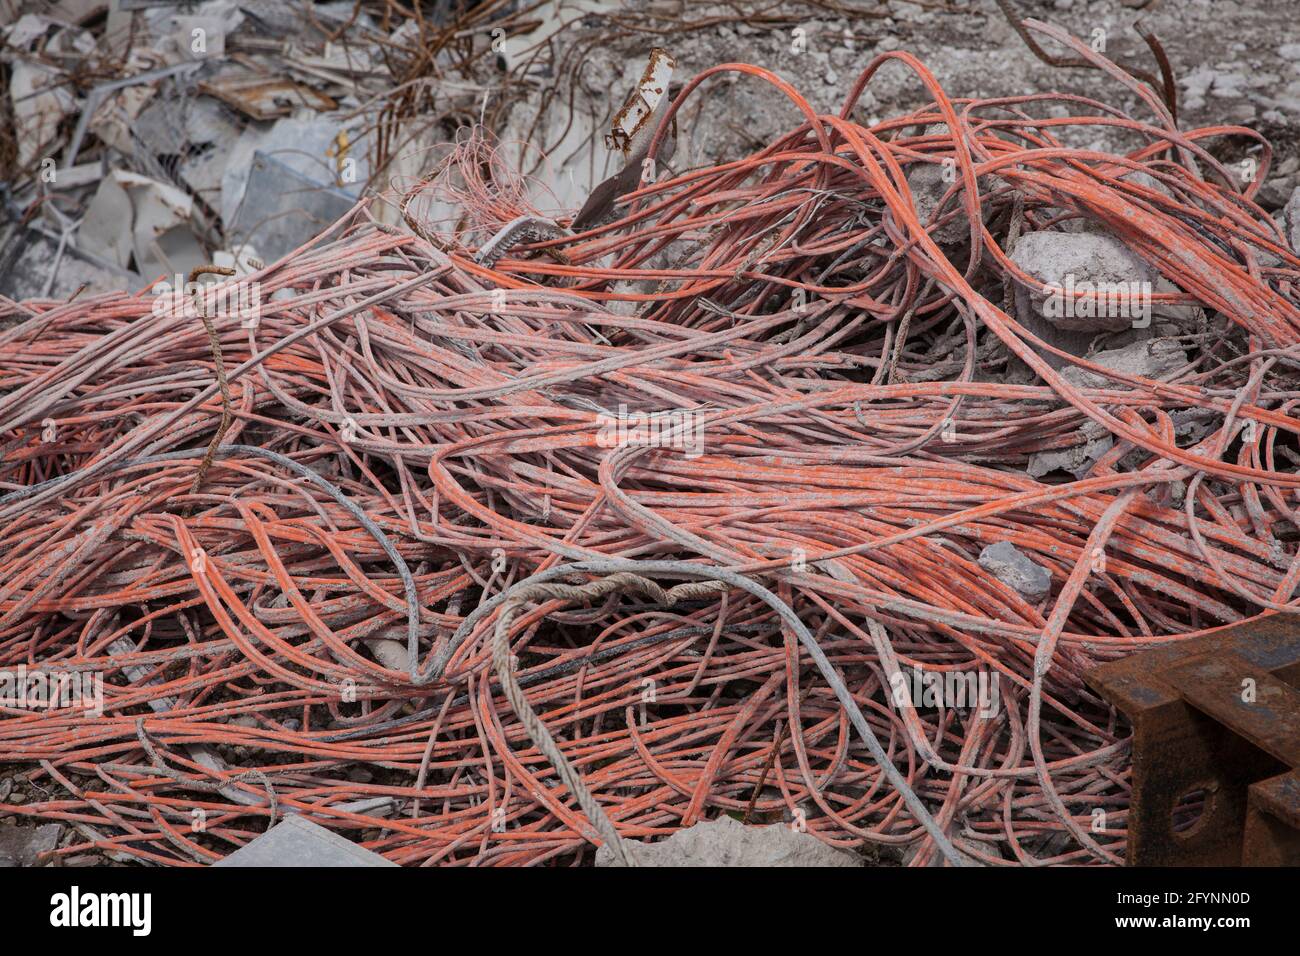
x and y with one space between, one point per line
1235 64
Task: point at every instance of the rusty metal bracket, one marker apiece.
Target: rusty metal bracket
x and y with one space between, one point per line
1216 746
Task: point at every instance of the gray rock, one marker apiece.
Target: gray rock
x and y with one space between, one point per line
1291 220
1277 189
20 846
1149 359
928 186
1077 460
727 842
299 842
1191 425
1083 261
1009 565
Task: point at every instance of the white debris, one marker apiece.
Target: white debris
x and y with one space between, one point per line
299 842
133 215
114 119
40 102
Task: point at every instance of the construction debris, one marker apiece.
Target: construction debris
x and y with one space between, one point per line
491 505
1009 565
728 842
1075 268
299 842
204 99
1150 358
25 846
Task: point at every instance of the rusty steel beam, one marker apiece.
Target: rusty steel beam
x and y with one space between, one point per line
1216 730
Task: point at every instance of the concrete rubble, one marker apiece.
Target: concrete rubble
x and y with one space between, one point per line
299 842
1149 358
1067 261
1013 568
728 842
25 845
148 174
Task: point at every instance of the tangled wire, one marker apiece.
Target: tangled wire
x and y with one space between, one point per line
768 377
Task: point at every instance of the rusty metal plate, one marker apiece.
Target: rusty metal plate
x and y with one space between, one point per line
1216 728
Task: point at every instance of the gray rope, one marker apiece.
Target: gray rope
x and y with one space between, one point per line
627 573
531 590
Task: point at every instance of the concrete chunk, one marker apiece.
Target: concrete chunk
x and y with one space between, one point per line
1092 442
1115 285
728 842
21 846
299 842
928 185
1009 565
1149 359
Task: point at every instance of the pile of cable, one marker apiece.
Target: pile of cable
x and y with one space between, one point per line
286 546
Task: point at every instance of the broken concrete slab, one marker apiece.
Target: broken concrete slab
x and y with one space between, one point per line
1078 459
1013 568
1095 282
23 33
283 208
23 846
25 276
728 842
101 228
298 842
133 215
1149 359
176 125
112 120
